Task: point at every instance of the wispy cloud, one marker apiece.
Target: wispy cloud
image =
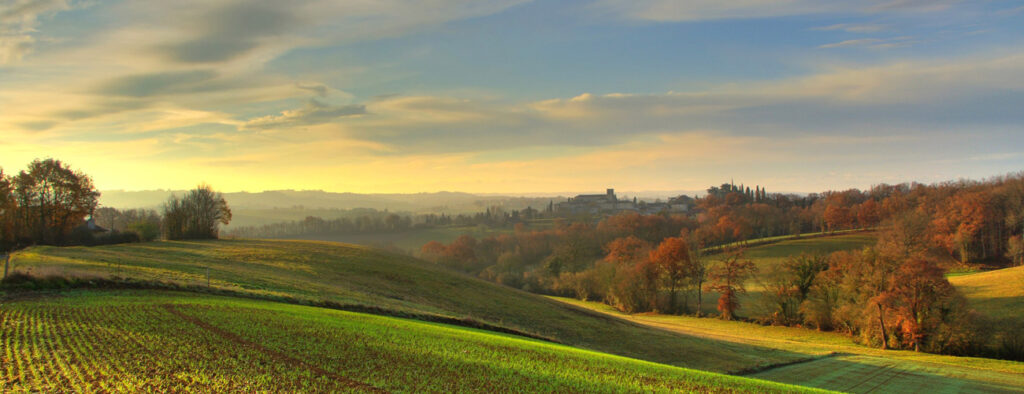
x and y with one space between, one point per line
854 27
18 21
314 112
697 10
873 43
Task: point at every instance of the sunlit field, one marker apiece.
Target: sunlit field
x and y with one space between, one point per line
358 277
159 341
836 363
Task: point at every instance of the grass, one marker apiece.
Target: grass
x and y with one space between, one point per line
998 294
411 240
354 275
838 363
779 238
131 341
768 255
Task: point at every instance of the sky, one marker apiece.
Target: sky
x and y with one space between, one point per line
513 96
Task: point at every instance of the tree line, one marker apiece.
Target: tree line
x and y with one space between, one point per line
48 203
371 221
893 294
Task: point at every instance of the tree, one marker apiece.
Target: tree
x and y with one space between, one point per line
7 213
837 217
698 273
1015 250
918 292
626 250
51 200
803 269
198 215
672 258
727 279
821 302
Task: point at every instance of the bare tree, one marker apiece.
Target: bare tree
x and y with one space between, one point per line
197 215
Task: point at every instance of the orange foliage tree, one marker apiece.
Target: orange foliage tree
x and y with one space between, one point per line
727 279
672 259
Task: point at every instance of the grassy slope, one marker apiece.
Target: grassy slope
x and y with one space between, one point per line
411 240
998 293
356 275
165 341
774 254
843 365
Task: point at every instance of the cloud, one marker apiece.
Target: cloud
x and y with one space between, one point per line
873 43
18 20
232 30
320 89
155 84
856 101
314 112
698 10
854 27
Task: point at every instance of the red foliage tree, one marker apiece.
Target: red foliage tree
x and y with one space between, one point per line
672 259
727 279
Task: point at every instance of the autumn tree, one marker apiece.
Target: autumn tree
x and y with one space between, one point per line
51 200
919 296
672 259
197 215
7 213
837 217
626 250
823 297
727 278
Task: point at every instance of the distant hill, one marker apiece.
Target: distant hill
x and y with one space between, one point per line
447 202
253 209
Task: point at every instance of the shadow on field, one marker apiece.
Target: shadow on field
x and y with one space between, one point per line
868 374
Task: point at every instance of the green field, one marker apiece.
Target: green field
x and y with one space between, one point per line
839 364
354 275
409 241
155 341
767 256
998 294
349 275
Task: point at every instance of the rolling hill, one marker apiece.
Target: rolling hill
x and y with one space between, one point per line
158 341
998 294
839 363
360 278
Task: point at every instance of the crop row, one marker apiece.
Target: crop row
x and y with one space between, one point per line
173 342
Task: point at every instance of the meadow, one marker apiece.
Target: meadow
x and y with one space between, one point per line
769 253
355 276
407 241
998 293
836 363
158 341
358 278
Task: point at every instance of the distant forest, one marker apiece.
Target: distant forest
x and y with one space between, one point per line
893 294
370 221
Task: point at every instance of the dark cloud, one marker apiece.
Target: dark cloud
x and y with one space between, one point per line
155 84
100 109
315 112
39 125
232 31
